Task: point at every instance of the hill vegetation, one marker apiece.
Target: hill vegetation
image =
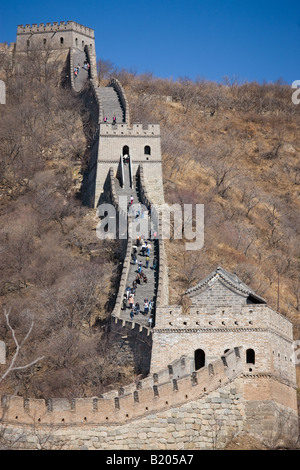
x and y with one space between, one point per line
232 147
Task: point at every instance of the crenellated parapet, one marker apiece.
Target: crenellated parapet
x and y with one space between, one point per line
168 388
54 36
125 130
56 27
114 82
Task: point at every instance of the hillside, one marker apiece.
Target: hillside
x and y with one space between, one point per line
55 272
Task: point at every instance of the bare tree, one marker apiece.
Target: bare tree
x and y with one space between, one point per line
18 347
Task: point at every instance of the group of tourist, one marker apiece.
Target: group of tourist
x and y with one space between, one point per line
86 67
141 278
114 120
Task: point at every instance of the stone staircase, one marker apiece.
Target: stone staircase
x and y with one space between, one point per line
111 104
79 57
145 290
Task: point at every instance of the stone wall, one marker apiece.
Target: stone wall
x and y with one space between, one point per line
207 423
170 409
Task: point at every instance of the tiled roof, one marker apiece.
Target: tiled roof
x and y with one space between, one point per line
228 278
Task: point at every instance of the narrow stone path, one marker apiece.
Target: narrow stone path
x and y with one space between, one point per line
111 104
79 57
144 290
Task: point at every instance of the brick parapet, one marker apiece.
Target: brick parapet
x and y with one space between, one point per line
241 317
126 130
163 390
114 83
55 27
91 58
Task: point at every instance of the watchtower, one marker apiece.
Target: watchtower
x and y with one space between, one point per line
54 36
225 314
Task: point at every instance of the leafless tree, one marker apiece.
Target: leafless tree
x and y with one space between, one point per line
18 347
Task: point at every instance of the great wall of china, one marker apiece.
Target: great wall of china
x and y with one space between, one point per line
218 369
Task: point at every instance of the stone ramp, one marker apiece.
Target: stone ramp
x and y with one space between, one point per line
79 57
111 104
144 290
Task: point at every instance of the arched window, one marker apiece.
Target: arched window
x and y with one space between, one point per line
28 43
76 41
250 356
199 359
82 43
147 150
125 150
61 41
44 41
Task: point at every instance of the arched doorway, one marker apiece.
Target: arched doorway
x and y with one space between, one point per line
199 357
125 150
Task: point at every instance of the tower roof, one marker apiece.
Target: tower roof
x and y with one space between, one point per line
230 280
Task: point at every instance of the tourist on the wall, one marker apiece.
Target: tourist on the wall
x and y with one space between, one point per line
147 261
137 308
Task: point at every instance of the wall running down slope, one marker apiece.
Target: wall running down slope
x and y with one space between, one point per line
214 370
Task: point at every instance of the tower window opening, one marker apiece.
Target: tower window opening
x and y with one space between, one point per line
199 359
250 356
147 150
61 41
125 150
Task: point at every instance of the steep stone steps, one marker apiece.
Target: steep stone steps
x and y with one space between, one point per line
144 290
111 104
79 57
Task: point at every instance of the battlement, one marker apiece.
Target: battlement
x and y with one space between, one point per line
136 130
226 318
56 27
171 387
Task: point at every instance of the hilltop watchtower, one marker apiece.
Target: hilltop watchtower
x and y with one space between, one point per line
54 36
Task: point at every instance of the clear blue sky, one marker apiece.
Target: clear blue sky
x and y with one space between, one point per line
210 39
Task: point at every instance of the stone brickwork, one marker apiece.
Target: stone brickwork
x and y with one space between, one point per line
169 409
207 423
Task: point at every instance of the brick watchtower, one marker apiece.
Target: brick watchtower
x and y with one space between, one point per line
54 36
225 314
